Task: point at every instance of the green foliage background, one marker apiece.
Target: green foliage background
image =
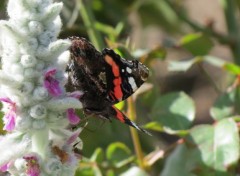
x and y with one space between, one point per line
179 145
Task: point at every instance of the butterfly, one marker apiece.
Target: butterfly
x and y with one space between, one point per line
105 79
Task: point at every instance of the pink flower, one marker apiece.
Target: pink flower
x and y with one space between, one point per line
73 137
9 117
4 167
76 94
51 83
33 168
72 116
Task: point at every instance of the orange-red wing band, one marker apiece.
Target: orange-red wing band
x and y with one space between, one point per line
117 81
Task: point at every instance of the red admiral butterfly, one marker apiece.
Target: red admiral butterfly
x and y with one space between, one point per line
105 78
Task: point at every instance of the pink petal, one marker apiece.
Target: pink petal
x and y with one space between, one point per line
9 117
33 168
9 121
52 84
7 100
4 167
72 117
50 72
76 94
73 137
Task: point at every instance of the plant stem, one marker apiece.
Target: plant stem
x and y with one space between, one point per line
134 134
229 7
89 20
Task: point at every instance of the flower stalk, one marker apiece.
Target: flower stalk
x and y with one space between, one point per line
37 108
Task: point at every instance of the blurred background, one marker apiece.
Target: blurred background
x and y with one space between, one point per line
154 32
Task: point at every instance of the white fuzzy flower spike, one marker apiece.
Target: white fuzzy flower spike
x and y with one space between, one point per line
37 109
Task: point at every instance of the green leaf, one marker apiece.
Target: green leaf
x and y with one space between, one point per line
134 171
214 61
224 106
110 172
186 65
218 145
208 151
197 43
149 54
155 126
183 65
84 172
117 152
232 68
175 111
97 156
180 162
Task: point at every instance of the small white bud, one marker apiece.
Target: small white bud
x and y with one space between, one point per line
42 51
16 69
53 166
28 61
30 73
64 103
40 65
23 123
46 37
52 12
63 60
55 116
27 87
39 124
35 27
29 47
38 111
40 93
20 164
11 57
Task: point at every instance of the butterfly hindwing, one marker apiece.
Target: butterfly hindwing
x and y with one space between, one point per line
118 115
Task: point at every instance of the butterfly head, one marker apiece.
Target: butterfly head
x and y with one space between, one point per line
140 72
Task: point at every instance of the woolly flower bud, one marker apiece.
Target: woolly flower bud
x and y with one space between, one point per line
38 111
64 103
28 61
46 37
16 69
63 60
35 27
29 47
40 93
42 51
39 124
40 65
53 166
20 164
27 88
30 73
12 57
23 123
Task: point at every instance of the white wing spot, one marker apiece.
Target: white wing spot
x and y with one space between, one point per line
129 70
123 70
132 83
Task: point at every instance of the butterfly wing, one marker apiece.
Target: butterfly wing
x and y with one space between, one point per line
123 77
118 115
